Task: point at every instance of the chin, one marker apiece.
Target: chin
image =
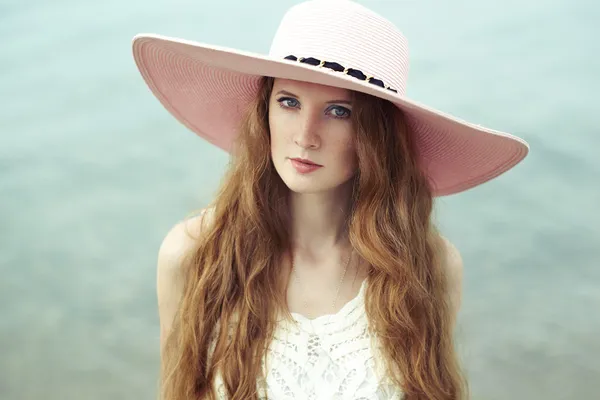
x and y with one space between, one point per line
317 182
311 185
305 187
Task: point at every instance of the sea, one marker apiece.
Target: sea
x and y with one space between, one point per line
94 172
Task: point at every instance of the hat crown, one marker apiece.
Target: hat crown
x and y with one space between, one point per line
347 33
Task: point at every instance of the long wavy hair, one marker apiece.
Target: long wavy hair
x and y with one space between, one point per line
234 271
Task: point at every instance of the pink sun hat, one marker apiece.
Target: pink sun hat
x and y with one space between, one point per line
330 42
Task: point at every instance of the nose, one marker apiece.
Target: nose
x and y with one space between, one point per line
306 136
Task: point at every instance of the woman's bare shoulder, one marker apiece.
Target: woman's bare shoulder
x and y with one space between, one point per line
453 265
180 239
176 244
453 259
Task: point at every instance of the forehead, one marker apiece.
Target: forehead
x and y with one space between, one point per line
310 89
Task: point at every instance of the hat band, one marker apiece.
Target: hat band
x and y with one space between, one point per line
355 73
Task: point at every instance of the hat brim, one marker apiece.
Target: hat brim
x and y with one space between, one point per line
207 88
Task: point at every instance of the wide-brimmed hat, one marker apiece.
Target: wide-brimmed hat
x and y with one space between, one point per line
330 42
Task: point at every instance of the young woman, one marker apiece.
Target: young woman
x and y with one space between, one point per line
317 271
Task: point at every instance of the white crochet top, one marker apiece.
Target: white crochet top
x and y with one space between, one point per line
326 358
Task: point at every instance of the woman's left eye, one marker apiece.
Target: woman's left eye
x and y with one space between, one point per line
340 112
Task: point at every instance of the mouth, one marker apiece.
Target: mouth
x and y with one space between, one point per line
306 162
304 167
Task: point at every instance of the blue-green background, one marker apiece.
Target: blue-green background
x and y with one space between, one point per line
93 172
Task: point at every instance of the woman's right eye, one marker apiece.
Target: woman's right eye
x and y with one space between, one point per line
288 102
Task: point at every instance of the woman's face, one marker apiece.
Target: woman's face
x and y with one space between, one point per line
311 121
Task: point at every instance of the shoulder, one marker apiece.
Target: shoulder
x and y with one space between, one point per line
452 263
180 239
176 245
452 258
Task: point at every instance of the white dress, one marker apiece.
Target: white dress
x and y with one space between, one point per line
330 357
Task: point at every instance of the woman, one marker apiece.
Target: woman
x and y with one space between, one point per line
317 272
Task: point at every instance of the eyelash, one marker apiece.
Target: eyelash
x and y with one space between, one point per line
346 111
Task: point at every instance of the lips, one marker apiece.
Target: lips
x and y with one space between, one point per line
307 162
304 168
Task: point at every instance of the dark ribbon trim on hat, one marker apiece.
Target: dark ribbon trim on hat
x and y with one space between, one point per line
355 73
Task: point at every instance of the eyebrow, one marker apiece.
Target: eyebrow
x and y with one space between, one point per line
285 92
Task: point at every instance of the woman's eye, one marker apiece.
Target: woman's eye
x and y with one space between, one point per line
340 112
288 102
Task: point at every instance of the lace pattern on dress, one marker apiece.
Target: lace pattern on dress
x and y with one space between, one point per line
330 357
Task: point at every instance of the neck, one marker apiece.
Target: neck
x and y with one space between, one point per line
319 221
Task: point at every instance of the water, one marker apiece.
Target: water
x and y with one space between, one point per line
93 172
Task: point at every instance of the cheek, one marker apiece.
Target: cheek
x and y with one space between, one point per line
347 149
351 158
274 131
277 124
343 154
